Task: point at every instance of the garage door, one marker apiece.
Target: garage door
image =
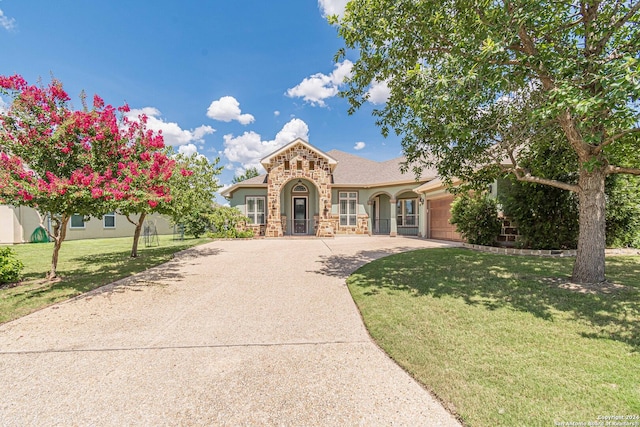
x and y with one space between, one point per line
439 214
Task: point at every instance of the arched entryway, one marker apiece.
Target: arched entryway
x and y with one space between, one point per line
300 208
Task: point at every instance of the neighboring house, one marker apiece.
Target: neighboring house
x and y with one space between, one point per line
308 192
17 223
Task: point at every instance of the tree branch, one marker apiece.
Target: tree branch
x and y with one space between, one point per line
618 169
614 138
614 26
525 176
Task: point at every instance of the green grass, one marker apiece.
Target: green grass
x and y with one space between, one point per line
83 265
500 341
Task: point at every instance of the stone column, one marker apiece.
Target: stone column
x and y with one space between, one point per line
274 221
393 220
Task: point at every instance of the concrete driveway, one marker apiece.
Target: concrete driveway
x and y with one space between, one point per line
258 332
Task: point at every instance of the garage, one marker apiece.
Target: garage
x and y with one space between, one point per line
439 216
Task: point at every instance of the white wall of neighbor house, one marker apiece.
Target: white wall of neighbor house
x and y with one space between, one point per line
17 223
114 226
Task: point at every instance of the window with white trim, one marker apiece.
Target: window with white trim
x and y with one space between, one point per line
76 221
406 210
255 210
348 208
109 220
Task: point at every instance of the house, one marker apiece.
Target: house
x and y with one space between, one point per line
17 223
309 192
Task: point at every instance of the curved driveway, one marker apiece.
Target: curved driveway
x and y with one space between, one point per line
257 332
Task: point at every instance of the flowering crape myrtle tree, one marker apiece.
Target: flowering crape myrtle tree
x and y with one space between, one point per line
63 162
145 177
475 87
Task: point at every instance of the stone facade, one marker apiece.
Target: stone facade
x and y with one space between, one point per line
508 233
298 162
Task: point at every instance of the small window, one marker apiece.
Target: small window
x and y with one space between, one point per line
286 165
407 214
255 210
348 208
77 221
300 188
109 220
312 165
299 165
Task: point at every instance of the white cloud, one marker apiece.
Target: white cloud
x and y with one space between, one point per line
173 134
332 7
3 105
188 149
318 87
249 148
6 22
359 145
276 113
379 93
227 109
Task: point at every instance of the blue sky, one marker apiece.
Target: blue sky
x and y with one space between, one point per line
230 79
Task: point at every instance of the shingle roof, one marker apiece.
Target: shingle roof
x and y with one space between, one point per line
352 170
356 170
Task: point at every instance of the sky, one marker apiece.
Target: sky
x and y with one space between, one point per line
229 79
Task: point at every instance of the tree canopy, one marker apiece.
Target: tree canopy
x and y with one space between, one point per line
248 174
62 161
476 85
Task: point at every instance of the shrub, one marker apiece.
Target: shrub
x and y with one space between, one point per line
476 218
546 217
226 221
623 211
10 266
197 223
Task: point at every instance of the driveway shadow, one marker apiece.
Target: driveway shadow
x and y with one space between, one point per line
163 275
344 265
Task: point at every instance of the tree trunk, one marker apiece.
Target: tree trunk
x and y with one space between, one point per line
136 235
59 234
589 265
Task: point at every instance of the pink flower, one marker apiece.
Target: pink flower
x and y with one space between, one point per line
152 203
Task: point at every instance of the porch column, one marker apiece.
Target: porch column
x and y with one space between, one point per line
393 220
274 221
370 219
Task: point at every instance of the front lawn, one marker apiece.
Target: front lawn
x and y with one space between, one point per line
83 265
503 340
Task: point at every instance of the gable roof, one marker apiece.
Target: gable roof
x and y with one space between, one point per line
267 160
348 170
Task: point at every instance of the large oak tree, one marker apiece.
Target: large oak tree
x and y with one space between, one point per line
475 85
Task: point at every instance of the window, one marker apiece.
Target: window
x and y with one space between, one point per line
312 165
348 208
407 213
299 165
109 220
255 210
286 165
300 188
77 221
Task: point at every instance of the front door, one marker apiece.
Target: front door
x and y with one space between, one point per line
299 215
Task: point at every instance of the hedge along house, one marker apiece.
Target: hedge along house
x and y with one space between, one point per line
308 192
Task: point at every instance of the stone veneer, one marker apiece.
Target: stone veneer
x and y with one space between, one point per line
320 176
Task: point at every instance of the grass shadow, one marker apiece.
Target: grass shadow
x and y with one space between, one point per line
527 284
